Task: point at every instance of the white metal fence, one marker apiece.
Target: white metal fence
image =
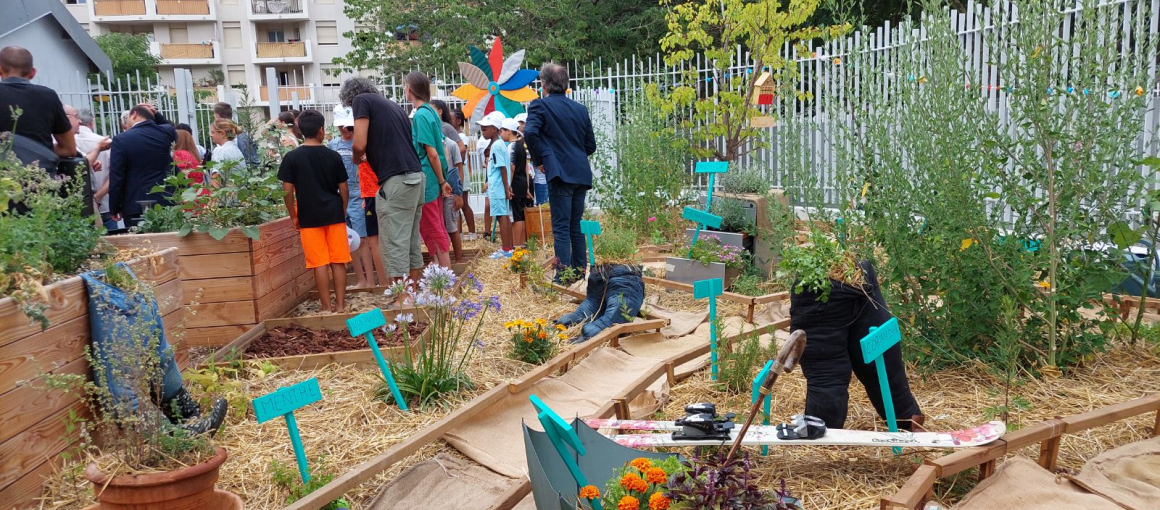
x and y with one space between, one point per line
608 88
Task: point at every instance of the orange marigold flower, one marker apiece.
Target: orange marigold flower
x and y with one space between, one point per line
641 463
589 492
541 335
628 503
639 485
631 481
655 475
528 338
658 501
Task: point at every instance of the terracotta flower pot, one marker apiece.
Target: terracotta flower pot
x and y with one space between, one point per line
181 489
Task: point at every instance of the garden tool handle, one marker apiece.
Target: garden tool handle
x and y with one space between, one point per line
787 357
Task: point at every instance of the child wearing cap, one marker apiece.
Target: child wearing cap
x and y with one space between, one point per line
539 180
364 267
521 191
499 190
314 178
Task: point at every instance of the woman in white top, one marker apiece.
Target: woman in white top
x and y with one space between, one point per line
223 132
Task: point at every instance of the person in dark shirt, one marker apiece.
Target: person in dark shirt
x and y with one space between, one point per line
140 159
521 191
382 133
314 179
42 115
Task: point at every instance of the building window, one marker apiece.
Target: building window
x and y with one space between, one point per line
327 32
330 76
236 75
75 2
276 35
232 34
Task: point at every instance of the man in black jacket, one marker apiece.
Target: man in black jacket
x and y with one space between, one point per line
141 158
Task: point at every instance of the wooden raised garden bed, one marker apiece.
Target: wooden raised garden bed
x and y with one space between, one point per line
33 425
359 356
534 217
233 284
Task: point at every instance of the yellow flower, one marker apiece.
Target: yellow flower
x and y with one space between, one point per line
562 336
541 322
628 503
658 501
508 325
1045 284
560 327
589 492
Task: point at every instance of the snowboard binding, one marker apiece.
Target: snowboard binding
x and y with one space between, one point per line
701 422
801 426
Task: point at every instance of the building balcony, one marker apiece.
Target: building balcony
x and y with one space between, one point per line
283 52
129 11
178 54
286 93
278 10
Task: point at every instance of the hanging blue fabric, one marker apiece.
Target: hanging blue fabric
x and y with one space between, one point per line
116 318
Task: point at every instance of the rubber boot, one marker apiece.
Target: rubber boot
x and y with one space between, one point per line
180 407
211 423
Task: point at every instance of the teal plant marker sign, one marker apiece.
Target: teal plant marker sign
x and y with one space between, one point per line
589 229
365 324
710 289
874 344
702 219
768 398
284 402
563 436
712 168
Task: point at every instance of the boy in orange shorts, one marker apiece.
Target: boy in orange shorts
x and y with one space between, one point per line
314 177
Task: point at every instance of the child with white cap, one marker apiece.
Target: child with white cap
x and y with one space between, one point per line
539 180
519 179
499 190
355 216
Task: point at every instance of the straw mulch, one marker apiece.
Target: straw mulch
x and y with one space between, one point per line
349 426
855 478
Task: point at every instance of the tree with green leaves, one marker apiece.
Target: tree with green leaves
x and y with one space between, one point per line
718 107
130 55
407 35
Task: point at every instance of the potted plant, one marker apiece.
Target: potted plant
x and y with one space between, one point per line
707 259
151 456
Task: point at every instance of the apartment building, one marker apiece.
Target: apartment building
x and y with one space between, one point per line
234 40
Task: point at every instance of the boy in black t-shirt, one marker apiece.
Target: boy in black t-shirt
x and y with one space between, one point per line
314 176
521 191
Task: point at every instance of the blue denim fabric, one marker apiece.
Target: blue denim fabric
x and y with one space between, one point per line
567 203
614 296
541 193
113 317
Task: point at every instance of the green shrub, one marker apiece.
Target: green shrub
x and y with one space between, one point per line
744 179
739 365
615 246
733 216
244 198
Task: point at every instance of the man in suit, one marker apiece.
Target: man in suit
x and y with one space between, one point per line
559 137
141 158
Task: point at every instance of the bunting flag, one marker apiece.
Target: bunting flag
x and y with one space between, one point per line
495 84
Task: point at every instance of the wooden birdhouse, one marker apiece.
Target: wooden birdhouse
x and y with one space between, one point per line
763 89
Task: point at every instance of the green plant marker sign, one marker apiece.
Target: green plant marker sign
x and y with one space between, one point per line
710 289
703 220
712 168
873 345
563 436
365 324
589 229
284 402
768 398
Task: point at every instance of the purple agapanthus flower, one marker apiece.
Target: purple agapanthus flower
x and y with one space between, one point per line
467 309
493 302
473 282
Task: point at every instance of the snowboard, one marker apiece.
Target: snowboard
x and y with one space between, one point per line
766 435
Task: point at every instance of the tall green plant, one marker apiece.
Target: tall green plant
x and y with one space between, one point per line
242 197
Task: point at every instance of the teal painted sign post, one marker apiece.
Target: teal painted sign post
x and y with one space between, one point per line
365 324
768 398
702 219
873 345
712 168
563 436
589 229
284 402
710 289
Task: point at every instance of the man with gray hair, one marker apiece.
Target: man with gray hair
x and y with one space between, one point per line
96 149
382 136
559 137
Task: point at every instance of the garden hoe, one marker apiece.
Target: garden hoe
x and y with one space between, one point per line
787 358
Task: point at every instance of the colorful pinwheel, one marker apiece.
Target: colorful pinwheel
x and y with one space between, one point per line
495 84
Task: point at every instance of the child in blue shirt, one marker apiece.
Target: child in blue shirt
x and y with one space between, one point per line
499 190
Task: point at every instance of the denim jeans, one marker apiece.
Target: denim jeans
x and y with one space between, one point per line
567 203
614 296
541 193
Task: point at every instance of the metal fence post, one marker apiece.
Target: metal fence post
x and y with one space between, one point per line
272 92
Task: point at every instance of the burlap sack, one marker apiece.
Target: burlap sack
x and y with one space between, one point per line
445 481
1129 474
1021 484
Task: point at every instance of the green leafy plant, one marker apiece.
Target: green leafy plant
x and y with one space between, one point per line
456 311
816 265
533 342
290 481
615 246
733 216
42 233
244 198
740 361
744 179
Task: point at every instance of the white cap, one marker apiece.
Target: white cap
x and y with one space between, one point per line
521 117
510 125
493 119
343 116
